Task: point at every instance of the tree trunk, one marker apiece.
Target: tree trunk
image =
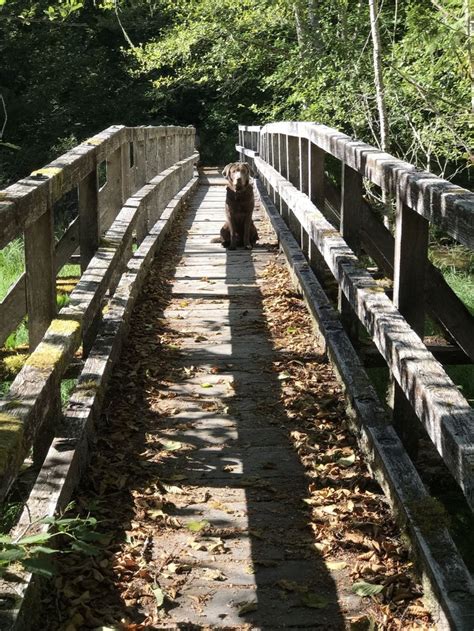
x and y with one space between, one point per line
378 75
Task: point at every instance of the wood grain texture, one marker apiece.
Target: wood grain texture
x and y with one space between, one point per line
443 570
444 412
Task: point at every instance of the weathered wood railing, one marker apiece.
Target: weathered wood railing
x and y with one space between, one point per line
150 171
289 159
146 169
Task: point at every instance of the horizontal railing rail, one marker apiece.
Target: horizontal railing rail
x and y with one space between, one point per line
129 156
290 159
146 169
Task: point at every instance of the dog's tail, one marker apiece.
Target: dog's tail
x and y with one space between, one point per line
216 240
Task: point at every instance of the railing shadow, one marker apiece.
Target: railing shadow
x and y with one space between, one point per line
220 460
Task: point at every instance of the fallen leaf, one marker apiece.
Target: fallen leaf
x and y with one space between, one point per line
213 575
362 589
336 565
315 601
247 607
196 526
159 595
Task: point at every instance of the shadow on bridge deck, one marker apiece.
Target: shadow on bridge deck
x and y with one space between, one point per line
210 488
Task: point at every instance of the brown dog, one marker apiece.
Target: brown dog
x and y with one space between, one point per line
239 229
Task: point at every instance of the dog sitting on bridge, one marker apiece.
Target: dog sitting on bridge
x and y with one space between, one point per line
239 229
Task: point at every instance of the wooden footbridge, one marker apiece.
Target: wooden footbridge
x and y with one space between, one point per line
131 183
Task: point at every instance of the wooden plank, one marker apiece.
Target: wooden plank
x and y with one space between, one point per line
442 303
13 306
88 191
40 276
388 460
68 454
446 354
28 400
444 412
445 204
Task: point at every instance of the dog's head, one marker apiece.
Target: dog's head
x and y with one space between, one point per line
237 174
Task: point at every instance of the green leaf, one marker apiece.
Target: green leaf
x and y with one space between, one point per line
159 596
196 526
41 537
207 385
362 588
85 548
41 566
42 550
315 601
14 554
5 539
346 461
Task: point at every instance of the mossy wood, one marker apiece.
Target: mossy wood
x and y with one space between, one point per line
68 453
26 206
445 577
444 412
31 398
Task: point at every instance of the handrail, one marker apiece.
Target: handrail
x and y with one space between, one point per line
448 206
137 193
132 156
289 157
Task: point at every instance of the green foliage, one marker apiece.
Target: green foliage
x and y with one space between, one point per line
72 71
33 552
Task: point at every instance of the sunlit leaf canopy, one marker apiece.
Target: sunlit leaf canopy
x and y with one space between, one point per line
70 68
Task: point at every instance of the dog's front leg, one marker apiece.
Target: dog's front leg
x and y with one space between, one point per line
233 235
247 225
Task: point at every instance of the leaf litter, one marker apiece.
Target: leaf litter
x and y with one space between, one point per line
349 521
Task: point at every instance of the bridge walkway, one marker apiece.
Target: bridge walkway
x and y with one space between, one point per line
199 445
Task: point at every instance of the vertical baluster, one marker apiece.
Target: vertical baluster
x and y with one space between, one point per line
40 275
410 260
283 169
304 186
293 175
316 157
351 201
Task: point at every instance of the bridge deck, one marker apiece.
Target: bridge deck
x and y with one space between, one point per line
198 467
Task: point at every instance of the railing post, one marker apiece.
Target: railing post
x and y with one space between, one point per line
293 155
410 261
151 154
88 197
351 202
316 175
162 146
127 172
316 193
304 186
40 271
140 160
283 169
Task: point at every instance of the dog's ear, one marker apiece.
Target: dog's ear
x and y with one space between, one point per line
247 167
226 170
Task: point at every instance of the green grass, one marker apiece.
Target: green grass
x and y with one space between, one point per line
12 265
